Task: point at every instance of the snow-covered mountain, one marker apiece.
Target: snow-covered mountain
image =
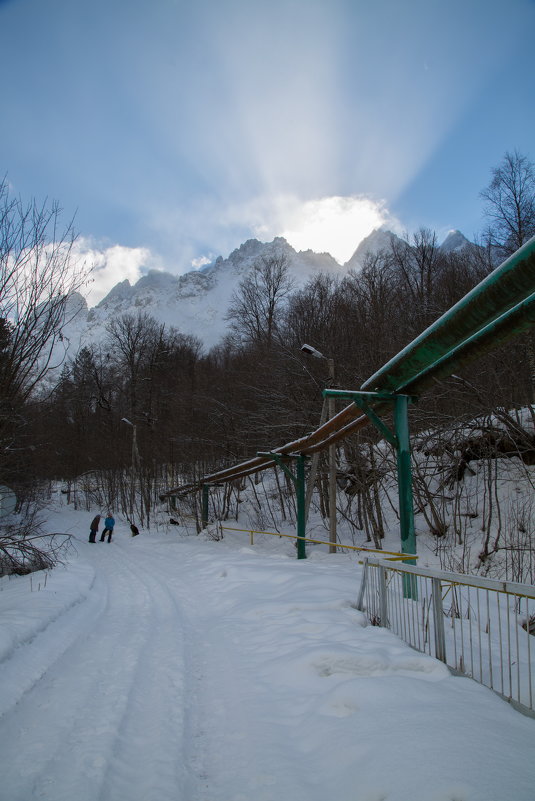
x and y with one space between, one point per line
380 240
376 242
196 303
455 241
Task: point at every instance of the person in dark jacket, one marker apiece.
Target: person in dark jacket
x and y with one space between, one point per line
108 527
134 530
93 528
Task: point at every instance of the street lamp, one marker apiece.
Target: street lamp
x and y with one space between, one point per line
135 461
135 452
311 351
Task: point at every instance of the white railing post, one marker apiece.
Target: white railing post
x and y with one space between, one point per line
383 605
438 620
360 599
483 637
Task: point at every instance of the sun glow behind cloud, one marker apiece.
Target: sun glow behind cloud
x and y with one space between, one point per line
302 131
334 225
268 119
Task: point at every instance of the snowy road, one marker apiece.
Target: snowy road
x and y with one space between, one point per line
158 668
104 717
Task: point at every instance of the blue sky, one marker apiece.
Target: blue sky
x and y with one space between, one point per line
177 130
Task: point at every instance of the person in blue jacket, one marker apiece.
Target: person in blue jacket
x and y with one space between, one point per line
108 527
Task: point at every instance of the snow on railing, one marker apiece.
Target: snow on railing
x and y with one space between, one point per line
477 626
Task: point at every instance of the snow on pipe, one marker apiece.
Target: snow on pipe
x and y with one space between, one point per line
510 324
504 288
498 308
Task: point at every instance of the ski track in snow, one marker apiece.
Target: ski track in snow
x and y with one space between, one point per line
123 668
192 671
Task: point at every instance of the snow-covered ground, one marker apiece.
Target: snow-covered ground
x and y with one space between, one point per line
171 667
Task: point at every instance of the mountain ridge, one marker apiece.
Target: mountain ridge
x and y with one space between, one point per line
196 302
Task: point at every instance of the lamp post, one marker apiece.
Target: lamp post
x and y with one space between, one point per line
298 479
135 461
332 449
135 452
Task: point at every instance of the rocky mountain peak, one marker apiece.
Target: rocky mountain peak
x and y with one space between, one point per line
455 240
196 302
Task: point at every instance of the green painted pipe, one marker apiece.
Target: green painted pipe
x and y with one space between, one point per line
502 289
515 321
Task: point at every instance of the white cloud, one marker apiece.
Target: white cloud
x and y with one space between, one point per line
202 261
333 224
111 265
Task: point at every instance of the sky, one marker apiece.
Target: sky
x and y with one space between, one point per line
175 131
168 667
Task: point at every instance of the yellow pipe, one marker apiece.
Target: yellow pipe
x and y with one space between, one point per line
398 556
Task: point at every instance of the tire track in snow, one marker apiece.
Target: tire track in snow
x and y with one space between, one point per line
107 685
30 662
148 757
226 755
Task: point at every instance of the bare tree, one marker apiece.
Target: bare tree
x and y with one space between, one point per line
510 210
255 308
367 302
510 204
132 339
38 274
417 261
311 314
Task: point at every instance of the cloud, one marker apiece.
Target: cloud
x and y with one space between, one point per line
202 261
333 224
108 266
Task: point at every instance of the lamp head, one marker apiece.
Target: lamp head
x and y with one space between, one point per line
312 351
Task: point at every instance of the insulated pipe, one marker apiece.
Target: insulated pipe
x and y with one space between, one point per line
502 289
301 445
513 322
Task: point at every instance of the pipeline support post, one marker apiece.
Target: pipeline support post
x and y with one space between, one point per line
301 512
332 469
401 441
204 506
298 479
406 509
406 513
205 497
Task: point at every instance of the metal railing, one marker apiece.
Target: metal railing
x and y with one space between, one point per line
477 626
393 556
